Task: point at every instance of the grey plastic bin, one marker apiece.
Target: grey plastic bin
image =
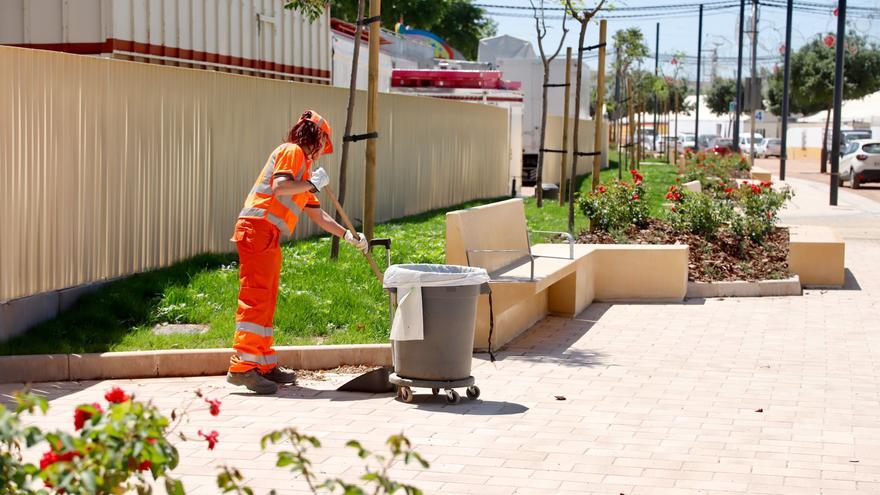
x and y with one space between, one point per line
448 318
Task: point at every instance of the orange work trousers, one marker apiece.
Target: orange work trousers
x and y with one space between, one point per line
259 255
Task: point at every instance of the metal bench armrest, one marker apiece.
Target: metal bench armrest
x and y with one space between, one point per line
566 235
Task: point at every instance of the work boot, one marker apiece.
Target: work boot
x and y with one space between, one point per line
280 374
253 380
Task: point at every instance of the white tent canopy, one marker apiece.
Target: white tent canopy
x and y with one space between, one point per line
504 46
865 110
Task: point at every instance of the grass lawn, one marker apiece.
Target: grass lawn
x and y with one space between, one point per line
319 301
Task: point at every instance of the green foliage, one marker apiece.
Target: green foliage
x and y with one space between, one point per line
630 44
615 207
812 75
757 210
376 467
311 9
719 96
111 453
697 213
459 22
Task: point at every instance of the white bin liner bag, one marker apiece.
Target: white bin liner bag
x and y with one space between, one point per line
409 280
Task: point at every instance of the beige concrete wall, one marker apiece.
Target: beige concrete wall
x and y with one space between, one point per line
586 130
109 168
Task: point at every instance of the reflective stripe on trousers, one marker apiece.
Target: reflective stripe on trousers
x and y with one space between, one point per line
259 270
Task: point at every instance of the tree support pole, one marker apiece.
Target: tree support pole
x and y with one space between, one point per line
739 69
600 102
699 61
564 182
372 122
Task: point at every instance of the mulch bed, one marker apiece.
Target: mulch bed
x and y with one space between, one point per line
718 260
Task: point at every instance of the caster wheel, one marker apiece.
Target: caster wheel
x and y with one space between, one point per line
473 392
452 397
435 391
405 394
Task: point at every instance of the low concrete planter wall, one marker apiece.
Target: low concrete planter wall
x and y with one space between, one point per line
763 288
195 362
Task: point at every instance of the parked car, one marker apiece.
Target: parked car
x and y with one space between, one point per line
846 137
705 140
745 142
860 163
687 143
722 146
769 147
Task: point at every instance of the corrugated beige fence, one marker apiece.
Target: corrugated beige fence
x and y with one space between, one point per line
109 168
586 130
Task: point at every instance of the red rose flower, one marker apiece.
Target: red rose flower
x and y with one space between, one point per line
215 406
756 189
151 441
635 196
766 185
80 415
51 457
211 438
601 189
116 396
145 466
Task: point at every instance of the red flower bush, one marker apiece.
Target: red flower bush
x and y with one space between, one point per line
637 177
215 406
211 438
117 396
80 415
673 194
51 457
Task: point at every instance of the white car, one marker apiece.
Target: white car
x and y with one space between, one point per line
860 163
745 142
769 147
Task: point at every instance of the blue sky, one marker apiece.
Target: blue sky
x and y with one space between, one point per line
678 31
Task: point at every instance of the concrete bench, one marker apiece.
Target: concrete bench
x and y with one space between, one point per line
761 174
816 255
531 281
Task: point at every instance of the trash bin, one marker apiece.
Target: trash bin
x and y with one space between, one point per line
432 335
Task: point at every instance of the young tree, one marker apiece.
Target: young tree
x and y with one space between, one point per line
313 9
812 70
583 17
630 46
541 28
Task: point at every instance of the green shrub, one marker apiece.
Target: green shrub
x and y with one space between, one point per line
613 208
697 213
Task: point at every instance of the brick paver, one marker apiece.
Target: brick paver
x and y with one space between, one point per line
750 395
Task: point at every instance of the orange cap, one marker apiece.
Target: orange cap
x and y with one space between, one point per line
323 125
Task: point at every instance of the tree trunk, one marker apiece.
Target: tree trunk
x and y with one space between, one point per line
343 161
824 154
577 121
539 175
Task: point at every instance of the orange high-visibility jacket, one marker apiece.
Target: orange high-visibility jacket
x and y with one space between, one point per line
288 160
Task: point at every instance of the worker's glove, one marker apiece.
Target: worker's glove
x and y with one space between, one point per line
357 240
319 179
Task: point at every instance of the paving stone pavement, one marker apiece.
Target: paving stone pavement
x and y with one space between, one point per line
719 396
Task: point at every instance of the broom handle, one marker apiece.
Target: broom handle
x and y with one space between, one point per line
350 227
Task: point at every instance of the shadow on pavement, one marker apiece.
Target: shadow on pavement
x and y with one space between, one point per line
428 402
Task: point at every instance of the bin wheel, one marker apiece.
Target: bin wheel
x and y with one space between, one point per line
405 394
452 397
435 391
473 392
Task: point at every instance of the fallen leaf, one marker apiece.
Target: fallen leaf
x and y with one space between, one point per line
559 397
759 410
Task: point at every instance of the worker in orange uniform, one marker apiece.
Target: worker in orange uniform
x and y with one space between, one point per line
284 189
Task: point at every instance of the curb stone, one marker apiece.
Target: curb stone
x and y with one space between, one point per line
764 288
176 363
